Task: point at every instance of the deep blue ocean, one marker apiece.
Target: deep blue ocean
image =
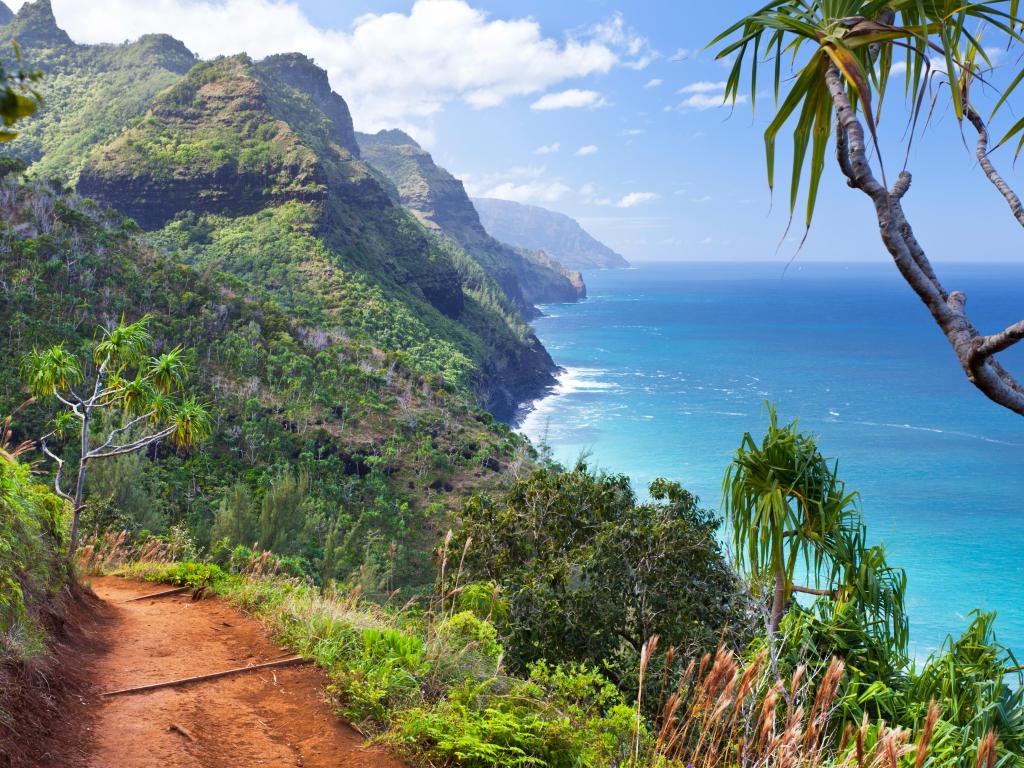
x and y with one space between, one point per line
667 365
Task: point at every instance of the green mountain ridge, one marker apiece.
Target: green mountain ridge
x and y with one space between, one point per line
195 148
440 202
538 229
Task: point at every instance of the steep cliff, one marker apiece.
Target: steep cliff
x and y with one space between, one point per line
6 14
439 200
539 229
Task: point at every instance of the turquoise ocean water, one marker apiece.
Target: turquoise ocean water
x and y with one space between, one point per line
666 366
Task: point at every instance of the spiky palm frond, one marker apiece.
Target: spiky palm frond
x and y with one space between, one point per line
123 345
862 39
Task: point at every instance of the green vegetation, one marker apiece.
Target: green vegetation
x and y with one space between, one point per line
35 578
32 567
589 573
385 445
124 379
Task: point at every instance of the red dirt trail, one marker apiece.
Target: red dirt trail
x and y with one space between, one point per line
271 717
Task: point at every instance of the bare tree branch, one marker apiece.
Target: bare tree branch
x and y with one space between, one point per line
123 429
1016 207
60 470
142 442
973 350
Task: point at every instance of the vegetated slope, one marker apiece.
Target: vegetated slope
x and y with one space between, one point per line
534 228
439 200
234 139
38 602
90 91
332 443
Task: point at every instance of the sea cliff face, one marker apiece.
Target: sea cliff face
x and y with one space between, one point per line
439 200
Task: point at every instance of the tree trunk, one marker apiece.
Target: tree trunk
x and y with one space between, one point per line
779 600
79 487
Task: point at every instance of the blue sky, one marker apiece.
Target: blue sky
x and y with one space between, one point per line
597 109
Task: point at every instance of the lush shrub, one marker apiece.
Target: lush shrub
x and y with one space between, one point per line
32 566
590 573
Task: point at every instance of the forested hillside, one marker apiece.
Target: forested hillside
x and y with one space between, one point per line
344 349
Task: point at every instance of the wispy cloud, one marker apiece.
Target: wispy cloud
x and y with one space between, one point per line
635 198
529 192
547 149
703 86
574 98
653 83
706 94
589 149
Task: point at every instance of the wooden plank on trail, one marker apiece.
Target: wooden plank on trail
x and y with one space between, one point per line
212 676
165 593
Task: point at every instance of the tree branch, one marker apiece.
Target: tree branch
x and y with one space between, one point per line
973 350
123 429
811 591
60 469
120 450
981 150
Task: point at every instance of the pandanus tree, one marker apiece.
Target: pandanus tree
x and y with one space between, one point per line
844 55
791 516
121 378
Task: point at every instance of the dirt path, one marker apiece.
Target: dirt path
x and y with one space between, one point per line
273 717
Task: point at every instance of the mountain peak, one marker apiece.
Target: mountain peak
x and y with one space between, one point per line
6 14
35 26
301 73
389 138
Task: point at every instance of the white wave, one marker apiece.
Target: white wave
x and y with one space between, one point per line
575 380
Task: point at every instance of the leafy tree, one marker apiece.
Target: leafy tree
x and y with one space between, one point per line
591 573
123 377
787 508
18 99
844 53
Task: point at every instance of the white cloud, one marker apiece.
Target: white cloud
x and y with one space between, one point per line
703 86
681 54
614 33
632 131
547 149
529 192
394 69
589 149
654 83
702 101
573 98
521 184
636 198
